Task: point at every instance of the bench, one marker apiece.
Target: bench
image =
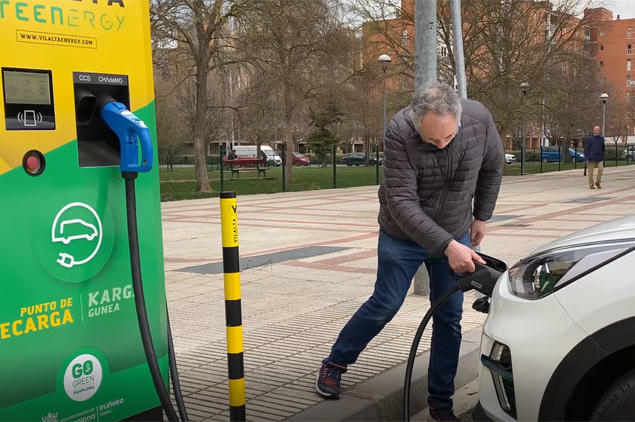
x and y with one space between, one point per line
240 165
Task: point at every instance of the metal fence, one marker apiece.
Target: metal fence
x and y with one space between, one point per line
338 170
559 158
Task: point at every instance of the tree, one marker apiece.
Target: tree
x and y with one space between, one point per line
322 139
290 43
198 30
171 134
506 42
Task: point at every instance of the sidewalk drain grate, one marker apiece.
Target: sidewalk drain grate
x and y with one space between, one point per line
266 259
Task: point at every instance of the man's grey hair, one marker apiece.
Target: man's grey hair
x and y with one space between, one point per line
436 97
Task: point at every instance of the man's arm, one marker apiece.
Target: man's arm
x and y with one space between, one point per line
403 202
490 175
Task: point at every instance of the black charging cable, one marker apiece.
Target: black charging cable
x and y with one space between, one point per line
137 285
176 384
415 345
482 279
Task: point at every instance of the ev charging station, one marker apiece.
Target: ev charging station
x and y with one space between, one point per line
70 344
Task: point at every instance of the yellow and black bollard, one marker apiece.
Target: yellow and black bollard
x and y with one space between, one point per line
233 315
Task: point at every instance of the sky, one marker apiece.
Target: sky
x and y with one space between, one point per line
624 8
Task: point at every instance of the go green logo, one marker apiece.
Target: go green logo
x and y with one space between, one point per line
85 369
82 377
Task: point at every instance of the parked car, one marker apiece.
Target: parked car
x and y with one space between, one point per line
510 158
558 343
359 159
629 152
299 159
551 154
250 151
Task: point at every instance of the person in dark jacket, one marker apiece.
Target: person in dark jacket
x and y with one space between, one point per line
442 154
594 154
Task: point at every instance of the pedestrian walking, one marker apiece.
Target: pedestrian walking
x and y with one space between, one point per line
594 155
442 154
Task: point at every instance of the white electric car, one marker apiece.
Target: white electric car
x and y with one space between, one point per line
559 341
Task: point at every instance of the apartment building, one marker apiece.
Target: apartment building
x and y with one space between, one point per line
613 41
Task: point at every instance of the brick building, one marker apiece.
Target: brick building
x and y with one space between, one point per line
613 42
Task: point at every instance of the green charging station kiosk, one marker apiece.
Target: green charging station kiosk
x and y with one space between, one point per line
70 348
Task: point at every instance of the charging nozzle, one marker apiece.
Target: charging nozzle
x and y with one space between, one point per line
484 278
130 130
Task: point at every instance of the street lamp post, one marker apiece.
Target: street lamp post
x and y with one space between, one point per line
524 88
384 60
604 97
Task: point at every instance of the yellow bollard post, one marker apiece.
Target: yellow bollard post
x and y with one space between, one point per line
233 315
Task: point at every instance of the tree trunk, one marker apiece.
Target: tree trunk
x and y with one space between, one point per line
288 134
200 138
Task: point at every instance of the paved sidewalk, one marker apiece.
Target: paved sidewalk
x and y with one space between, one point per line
314 258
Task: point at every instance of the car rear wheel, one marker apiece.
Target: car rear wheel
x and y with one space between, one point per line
618 402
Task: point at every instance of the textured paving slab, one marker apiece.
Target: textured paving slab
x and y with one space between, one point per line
294 309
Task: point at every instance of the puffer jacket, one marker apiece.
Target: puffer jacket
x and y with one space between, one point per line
594 148
427 193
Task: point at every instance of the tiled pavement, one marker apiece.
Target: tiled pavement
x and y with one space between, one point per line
293 309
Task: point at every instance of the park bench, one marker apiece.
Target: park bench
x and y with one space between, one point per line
242 165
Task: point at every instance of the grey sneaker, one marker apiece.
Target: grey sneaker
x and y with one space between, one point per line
328 380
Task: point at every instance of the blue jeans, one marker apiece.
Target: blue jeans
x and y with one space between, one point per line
398 262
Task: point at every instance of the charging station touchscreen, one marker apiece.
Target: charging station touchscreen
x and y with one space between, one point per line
26 87
28 99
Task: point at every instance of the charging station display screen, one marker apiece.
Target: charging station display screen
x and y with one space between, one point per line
26 88
28 99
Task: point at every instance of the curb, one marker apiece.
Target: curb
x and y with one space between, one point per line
381 397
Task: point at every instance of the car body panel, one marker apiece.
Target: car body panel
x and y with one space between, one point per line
612 288
552 154
359 159
555 340
518 323
622 228
300 159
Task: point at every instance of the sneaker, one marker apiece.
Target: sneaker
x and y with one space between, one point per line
592 187
328 380
598 185
443 415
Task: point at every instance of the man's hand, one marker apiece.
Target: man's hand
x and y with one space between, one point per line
477 232
461 258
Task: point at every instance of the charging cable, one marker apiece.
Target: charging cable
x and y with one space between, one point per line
482 279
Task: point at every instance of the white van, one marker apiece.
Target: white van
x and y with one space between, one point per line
249 151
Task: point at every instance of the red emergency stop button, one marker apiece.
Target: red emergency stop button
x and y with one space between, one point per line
33 163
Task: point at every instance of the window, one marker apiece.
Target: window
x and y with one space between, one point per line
629 33
629 49
444 52
628 65
601 48
601 32
628 80
601 64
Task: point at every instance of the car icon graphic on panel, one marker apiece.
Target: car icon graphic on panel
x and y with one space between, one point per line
75 229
